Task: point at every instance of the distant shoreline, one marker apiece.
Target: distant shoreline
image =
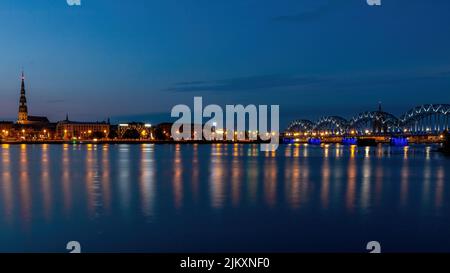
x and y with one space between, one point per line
86 142
186 142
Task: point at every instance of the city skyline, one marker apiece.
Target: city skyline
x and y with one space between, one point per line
418 124
23 114
252 54
224 134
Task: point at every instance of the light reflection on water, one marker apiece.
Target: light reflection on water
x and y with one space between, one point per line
178 197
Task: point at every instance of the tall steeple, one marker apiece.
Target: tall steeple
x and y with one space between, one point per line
23 109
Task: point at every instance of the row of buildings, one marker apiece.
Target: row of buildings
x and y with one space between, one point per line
38 128
35 128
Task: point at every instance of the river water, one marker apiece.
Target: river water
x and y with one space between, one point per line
223 198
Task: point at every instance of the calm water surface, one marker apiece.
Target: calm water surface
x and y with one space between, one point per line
223 198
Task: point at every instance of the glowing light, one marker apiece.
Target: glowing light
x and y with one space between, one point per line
399 141
123 125
148 125
314 141
349 141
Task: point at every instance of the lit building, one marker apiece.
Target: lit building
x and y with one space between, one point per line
6 129
68 129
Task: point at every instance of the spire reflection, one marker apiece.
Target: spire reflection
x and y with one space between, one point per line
7 185
24 183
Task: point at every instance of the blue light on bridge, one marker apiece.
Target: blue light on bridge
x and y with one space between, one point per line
288 141
349 141
399 141
314 141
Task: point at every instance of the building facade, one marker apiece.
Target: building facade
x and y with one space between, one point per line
6 130
68 129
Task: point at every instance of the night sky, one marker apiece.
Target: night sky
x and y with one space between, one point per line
136 59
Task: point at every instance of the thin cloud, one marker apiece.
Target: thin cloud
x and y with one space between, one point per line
247 83
348 81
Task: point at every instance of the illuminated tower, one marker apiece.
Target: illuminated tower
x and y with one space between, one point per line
379 122
23 109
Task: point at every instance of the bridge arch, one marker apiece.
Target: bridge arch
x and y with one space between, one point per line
426 118
374 122
300 126
331 125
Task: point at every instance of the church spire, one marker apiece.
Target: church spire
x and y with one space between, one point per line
23 109
22 88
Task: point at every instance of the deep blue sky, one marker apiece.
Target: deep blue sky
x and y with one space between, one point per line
128 59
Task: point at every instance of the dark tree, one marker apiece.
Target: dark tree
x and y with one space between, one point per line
112 134
131 134
98 135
